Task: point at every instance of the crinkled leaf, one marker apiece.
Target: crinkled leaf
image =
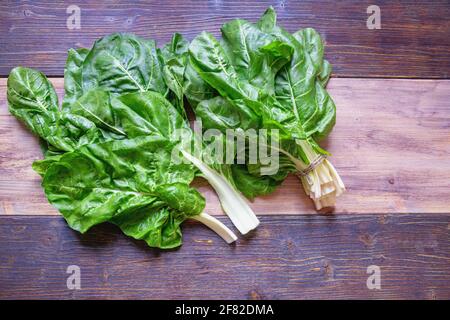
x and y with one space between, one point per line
73 84
195 88
256 56
299 86
211 62
121 63
175 57
219 113
130 115
132 183
253 185
33 100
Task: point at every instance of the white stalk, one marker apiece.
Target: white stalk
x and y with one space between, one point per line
322 184
233 203
215 225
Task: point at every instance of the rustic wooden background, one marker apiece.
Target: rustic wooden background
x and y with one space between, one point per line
391 146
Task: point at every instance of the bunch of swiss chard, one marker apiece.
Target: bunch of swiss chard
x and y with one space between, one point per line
259 76
109 148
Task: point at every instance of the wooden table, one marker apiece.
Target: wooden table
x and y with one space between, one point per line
391 145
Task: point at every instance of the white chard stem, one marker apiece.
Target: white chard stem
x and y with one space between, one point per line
322 184
233 203
215 225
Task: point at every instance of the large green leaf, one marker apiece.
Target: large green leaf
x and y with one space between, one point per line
298 86
270 79
256 56
132 183
300 83
33 100
211 62
130 115
121 63
240 104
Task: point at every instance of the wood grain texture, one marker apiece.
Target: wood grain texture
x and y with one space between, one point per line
390 146
303 257
414 39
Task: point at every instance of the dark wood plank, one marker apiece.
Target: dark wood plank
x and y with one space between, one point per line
414 40
390 145
288 257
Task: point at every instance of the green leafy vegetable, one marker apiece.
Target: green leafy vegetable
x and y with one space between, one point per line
73 82
174 56
125 173
141 114
128 114
267 78
118 63
131 183
300 86
32 99
110 151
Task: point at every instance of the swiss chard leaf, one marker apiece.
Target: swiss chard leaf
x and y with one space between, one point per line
130 115
33 100
211 62
256 56
195 88
174 56
132 183
253 185
73 84
121 63
299 85
279 77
